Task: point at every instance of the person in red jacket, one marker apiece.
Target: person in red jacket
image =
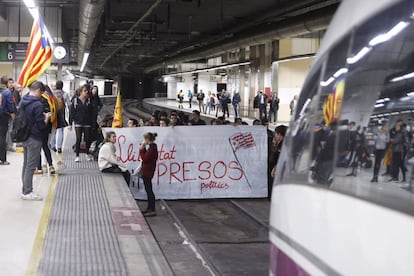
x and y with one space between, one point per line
149 156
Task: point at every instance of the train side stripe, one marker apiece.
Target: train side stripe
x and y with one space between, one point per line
315 260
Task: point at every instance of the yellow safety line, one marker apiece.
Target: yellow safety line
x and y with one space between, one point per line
37 250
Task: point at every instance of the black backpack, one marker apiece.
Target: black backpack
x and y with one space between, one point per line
21 126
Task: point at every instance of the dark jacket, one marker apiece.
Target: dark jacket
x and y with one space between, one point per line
149 160
236 98
7 103
35 117
274 103
96 107
81 113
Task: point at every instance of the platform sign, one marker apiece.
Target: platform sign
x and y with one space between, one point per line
11 51
201 161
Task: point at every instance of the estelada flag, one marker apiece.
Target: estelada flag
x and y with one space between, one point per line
333 102
38 55
118 122
388 157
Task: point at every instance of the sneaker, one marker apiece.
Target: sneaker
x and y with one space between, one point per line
77 159
52 170
31 196
89 158
59 150
38 172
5 163
54 149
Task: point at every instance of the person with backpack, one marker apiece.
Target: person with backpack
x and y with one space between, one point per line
180 97
49 106
62 102
81 114
31 123
7 114
200 99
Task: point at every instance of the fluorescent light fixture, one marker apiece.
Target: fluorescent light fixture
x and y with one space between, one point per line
390 34
327 82
403 77
410 94
296 58
387 99
340 72
380 101
358 56
84 61
379 105
30 3
208 69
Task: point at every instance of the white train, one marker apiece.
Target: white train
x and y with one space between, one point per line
329 214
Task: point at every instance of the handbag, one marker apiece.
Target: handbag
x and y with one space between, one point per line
138 169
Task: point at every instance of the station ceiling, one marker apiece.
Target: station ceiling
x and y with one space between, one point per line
133 35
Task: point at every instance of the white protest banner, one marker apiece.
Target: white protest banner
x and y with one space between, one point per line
201 161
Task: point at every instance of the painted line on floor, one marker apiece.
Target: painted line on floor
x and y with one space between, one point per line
37 250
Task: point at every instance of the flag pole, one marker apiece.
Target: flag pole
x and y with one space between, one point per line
237 159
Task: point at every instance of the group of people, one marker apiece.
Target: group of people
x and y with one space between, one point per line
212 102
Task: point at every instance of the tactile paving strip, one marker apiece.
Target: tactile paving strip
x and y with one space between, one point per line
81 237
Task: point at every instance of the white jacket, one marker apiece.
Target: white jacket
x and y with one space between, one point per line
107 157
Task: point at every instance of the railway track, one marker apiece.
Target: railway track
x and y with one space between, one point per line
227 235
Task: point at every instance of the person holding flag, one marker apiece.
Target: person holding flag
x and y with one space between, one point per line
118 120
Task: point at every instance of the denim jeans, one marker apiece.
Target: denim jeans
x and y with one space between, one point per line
32 149
4 128
56 139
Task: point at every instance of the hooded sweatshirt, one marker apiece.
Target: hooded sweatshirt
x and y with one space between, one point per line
35 117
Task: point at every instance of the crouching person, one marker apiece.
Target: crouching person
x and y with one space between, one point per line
107 160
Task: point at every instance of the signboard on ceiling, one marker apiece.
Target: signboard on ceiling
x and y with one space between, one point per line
14 51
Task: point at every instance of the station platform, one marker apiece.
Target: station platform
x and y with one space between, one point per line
87 224
153 104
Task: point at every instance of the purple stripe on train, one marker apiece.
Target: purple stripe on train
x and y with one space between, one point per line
282 265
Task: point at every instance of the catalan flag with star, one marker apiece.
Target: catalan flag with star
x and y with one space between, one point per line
333 102
39 54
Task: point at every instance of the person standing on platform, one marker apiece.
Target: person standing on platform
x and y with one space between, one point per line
382 139
149 155
190 98
38 120
207 102
274 107
200 99
262 105
108 161
293 104
180 97
62 103
81 115
8 114
224 101
49 106
256 104
236 103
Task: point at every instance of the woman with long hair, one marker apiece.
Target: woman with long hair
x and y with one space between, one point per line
81 113
107 160
149 156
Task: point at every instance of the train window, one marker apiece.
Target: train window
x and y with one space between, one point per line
353 130
373 159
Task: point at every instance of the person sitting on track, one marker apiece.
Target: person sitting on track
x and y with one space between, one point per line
107 160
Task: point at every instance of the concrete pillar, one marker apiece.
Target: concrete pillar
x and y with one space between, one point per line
275 68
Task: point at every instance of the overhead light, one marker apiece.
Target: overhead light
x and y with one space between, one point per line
390 34
208 69
30 4
387 99
84 61
327 82
410 94
380 101
403 77
379 105
340 72
358 56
